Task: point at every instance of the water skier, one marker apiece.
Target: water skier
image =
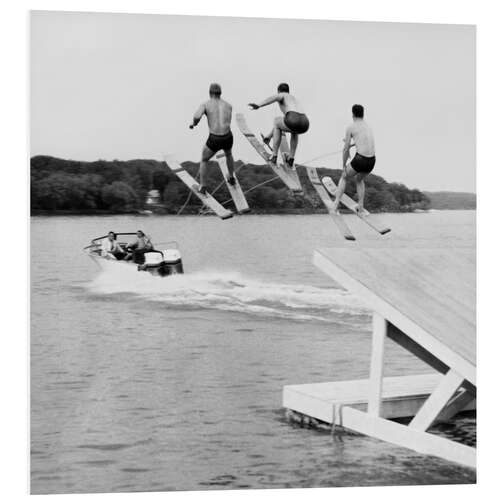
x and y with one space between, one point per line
294 121
218 113
364 160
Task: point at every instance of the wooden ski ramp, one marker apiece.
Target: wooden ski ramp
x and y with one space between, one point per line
430 294
424 300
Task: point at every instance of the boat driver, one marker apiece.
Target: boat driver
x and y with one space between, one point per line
139 247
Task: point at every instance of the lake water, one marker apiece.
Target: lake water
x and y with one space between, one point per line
141 384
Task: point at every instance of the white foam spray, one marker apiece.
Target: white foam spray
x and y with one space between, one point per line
230 291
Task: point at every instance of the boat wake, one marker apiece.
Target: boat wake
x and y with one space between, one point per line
229 291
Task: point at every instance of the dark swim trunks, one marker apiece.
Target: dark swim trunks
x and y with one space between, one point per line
296 122
217 142
363 164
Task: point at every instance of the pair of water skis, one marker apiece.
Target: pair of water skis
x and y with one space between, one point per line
287 174
207 199
325 187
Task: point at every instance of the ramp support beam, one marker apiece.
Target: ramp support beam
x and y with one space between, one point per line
402 435
436 402
377 364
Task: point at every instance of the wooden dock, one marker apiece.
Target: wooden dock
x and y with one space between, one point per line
424 300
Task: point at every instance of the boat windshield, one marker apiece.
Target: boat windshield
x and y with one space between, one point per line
124 239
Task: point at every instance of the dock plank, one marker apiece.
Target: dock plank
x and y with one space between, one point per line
402 396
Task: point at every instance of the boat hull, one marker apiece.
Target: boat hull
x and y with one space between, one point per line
162 269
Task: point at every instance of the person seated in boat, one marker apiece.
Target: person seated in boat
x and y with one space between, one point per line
139 247
111 249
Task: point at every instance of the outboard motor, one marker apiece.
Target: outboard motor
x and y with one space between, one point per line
162 263
172 262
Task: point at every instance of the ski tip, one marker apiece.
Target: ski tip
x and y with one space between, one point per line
386 230
350 237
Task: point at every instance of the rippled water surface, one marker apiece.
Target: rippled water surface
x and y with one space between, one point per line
140 383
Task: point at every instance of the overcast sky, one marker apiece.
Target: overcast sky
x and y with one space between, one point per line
115 86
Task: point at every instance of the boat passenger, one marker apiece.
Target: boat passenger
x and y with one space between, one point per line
139 247
111 249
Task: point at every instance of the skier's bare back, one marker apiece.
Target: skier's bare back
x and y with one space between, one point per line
218 113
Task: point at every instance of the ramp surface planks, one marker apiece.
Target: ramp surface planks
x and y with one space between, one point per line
427 293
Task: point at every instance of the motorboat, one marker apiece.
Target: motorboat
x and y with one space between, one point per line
165 262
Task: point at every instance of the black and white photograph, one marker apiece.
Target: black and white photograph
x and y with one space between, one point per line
252 253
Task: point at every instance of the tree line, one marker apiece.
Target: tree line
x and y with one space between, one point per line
69 186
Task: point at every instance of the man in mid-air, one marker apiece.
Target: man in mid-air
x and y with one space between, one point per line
218 113
364 159
294 121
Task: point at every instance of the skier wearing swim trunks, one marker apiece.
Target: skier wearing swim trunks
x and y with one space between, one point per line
218 113
364 159
294 121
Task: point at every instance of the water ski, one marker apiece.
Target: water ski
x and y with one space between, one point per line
234 190
285 153
352 205
327 201
280 170
207 199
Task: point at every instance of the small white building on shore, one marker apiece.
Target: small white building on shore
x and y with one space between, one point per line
153 197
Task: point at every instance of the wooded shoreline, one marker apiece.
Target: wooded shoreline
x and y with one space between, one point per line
68 187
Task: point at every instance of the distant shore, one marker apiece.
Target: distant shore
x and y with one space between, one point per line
67 187
89 212
187 211
62 186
